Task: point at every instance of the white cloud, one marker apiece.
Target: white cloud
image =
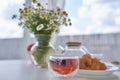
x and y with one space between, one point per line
83 12
117 12
108 1
15 1
117 20
73 19
71 30
111 29
100 12
91 29
9 29
90 2
101 29
6 3
117 16
104 16
87 2
3 5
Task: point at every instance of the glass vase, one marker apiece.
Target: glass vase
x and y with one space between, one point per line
42 50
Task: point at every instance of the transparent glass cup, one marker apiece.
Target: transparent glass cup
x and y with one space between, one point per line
63 65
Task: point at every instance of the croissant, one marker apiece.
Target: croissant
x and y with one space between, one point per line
88 62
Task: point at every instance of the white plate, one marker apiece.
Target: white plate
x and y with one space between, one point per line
117 65
110 69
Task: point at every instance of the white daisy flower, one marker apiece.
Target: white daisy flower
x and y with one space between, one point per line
39 27
42 15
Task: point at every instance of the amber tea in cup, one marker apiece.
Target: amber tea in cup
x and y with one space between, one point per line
63 65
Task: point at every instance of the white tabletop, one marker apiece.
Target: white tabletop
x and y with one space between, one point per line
23 70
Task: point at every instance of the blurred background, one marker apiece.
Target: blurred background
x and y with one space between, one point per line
95 23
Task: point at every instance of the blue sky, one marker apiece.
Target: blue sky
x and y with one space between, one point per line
88 17
93 16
